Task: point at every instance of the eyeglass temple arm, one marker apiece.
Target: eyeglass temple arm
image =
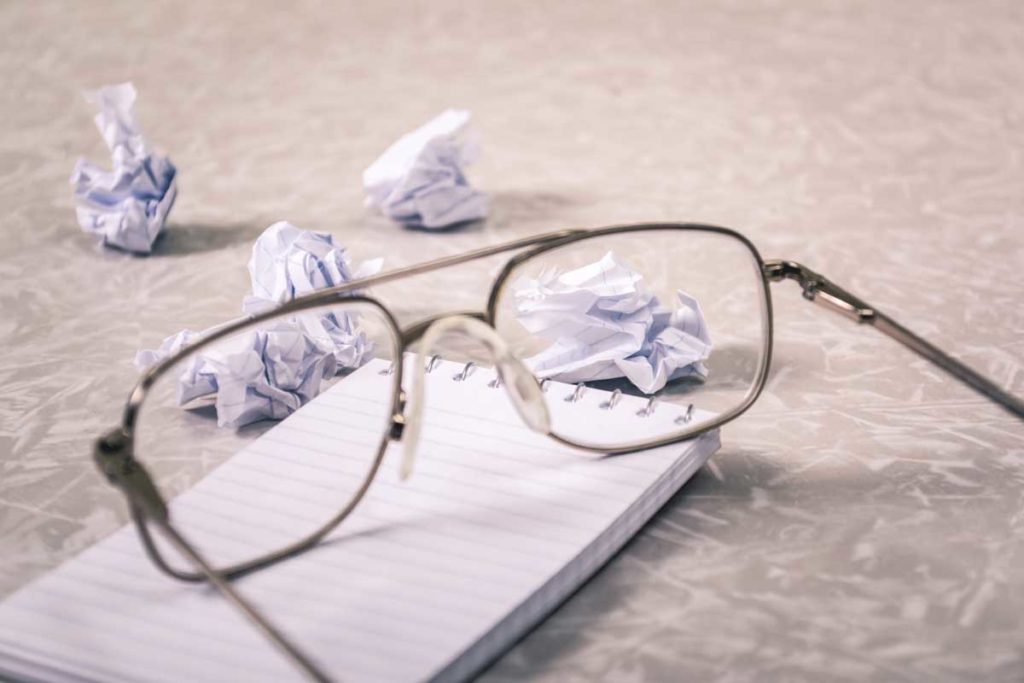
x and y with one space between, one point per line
127 474
822 291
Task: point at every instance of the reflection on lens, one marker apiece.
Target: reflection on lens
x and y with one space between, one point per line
668 319
278 421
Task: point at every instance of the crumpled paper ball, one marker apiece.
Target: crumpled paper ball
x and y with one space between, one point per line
419 180
603 324
171 346
270 371
263 374
288 262
126 206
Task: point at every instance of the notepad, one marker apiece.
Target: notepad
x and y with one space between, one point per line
430 579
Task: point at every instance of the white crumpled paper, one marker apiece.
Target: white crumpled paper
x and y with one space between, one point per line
269 372
176 342
128 205
288 262
603 324
419 180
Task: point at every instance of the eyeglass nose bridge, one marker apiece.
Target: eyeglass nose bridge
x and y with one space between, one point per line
520 384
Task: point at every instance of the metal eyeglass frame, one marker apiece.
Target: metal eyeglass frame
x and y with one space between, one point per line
114 452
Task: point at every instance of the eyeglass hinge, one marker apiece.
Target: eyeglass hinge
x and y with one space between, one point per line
777 271
114 459
397 427
820 290
398 419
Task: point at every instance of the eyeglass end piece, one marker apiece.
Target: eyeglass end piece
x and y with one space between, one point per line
824 292
820 290
113 456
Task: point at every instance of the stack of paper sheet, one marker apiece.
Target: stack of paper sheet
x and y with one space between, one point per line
430 579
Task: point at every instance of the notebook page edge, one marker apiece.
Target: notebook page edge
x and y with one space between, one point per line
560 587
19 665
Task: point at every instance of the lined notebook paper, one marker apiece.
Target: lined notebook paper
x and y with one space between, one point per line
430 579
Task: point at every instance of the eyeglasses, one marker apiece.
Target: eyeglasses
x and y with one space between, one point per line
678 314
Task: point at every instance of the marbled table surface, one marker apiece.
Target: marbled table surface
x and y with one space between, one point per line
864 521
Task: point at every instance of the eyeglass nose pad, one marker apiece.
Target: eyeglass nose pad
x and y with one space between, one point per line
519 382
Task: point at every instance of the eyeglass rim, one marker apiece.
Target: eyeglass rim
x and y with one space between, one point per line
341 295
537 245
761 378
350 291
309 540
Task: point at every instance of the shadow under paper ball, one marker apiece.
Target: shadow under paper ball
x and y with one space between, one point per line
196 238
523 206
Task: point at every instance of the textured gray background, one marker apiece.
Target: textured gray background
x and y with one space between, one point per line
864 521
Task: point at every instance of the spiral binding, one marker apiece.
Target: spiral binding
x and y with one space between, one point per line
433 363
577 393
464 374
648 409
612 400
687 417
574 397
